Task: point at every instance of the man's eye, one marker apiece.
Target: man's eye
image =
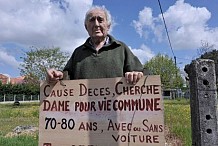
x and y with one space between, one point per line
100 19
91 19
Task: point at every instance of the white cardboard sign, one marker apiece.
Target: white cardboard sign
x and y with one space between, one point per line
102 112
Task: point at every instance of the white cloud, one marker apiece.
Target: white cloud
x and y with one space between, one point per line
186 24
144 53
44 22
145 19
8 60
40 23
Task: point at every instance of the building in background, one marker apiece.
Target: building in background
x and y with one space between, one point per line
17 80
4 79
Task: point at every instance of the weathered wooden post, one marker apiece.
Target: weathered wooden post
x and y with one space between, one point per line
203 102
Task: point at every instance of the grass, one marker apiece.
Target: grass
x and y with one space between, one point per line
19 141
13 116
177 118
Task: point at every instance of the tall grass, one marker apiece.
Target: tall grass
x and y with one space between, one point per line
13 116
18 141
177 118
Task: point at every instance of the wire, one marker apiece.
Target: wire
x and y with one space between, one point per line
166 30
168 38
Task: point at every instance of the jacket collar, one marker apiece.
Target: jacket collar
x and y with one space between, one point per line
110 40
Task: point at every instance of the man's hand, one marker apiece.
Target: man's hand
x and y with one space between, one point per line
133 77
54 75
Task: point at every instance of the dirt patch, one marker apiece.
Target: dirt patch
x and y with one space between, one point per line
171 139
23 130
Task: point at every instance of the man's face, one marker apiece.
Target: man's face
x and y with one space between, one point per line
97 25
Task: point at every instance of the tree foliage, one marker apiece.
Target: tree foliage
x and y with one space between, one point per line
205 47
26 89
213 55
37 60
165 67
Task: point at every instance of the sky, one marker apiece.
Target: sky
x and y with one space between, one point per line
139 24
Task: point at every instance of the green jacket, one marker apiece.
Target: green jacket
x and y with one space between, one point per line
112 60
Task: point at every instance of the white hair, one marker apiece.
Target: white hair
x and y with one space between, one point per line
102 8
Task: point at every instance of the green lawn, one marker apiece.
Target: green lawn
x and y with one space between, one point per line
177 118
13 116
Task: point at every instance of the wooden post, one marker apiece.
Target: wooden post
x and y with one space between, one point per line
203 102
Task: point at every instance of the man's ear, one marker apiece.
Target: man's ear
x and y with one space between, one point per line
109 26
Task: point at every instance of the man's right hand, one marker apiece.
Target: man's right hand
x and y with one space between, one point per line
53 75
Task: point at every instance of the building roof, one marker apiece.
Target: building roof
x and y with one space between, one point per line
17 80
6 79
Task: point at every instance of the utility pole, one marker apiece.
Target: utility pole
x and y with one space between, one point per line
176 77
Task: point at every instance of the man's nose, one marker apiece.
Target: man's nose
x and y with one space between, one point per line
96 22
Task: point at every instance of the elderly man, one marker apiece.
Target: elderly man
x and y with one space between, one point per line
101 56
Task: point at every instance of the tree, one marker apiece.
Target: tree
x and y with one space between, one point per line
37 60
165 67
205 47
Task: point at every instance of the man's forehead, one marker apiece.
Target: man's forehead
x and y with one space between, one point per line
97 12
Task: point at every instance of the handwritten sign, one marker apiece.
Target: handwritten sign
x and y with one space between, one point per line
101 112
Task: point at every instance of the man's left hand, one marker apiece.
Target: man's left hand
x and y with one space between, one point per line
133 77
